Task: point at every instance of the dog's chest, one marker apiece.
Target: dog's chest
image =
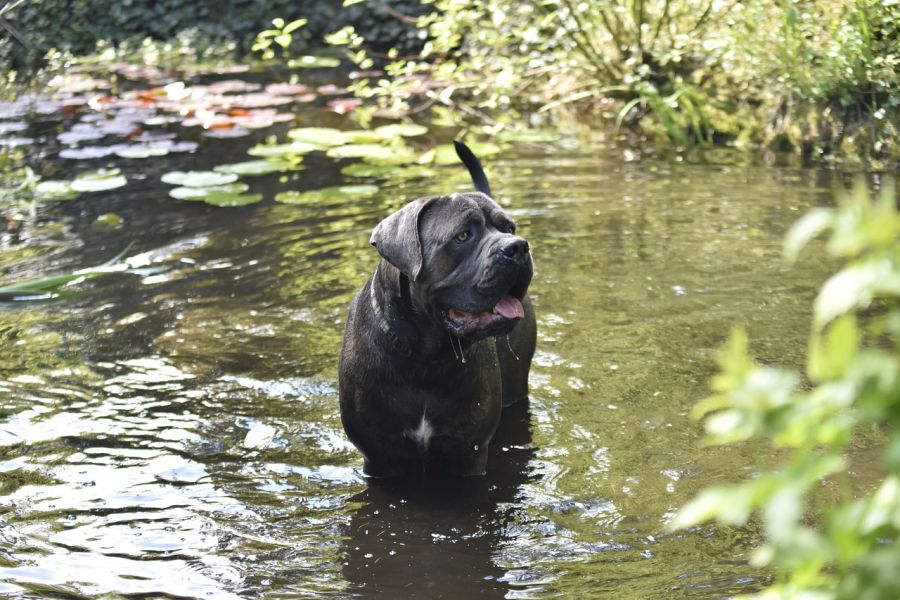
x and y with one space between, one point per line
422 433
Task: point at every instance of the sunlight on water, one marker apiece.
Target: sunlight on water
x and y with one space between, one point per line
177 433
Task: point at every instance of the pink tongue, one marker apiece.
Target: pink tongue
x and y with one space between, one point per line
510 308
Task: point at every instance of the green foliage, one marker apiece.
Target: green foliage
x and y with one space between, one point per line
822 547
46 287
281 36
816 76
196 27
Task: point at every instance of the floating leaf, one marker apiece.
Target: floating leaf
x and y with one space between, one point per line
225 198
396 130
43 288
277 150
110 219
89 152
54 189
397 157
257 167
142 152
339 192
198 178
227 132
200 193
321 136
362 151
12 126
287 89
366 169
362 136
99 180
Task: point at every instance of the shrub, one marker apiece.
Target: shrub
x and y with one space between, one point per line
815 76
822 546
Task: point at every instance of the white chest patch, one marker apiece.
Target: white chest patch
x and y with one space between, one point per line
422 433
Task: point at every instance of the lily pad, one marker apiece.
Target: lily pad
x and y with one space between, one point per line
402 156
320 136
366 169
338 192
89 152
109 219
368 151
55 189
141 152
99 180
362 136
201 193
257 167
278 150
396 130
226 198
198 178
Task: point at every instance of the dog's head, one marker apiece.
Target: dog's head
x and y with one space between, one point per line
467 268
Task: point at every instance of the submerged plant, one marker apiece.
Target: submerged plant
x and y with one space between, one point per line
46 287
822 546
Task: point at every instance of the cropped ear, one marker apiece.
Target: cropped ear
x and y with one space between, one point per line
397 238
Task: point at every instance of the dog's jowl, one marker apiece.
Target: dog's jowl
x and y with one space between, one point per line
440 337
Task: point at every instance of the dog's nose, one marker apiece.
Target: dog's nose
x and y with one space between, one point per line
515 248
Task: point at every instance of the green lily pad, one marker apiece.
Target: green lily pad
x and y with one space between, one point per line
257 167
142 152
201 193
198 178
99 180
530 135
362 136
320 136
403 156
314 62
279 150
338 192
225 198
110 219
360 151
389 171
396 130
55 189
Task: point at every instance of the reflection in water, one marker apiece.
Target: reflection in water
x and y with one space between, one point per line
178 434
437 538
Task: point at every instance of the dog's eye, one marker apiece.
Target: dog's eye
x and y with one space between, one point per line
462 236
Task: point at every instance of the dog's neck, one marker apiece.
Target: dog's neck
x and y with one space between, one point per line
409 330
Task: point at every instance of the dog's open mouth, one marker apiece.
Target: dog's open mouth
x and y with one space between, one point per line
503 314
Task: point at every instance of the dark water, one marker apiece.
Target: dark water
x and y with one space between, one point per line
176 433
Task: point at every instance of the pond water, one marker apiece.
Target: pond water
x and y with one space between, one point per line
175 432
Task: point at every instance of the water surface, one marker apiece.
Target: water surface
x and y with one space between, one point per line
176 433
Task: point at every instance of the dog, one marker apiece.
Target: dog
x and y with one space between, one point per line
441 336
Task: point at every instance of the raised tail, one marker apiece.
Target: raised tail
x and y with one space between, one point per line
474 166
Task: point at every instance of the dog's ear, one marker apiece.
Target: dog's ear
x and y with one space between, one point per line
397 238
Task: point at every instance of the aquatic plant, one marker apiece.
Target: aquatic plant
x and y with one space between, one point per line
818 77
46 287
825 537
